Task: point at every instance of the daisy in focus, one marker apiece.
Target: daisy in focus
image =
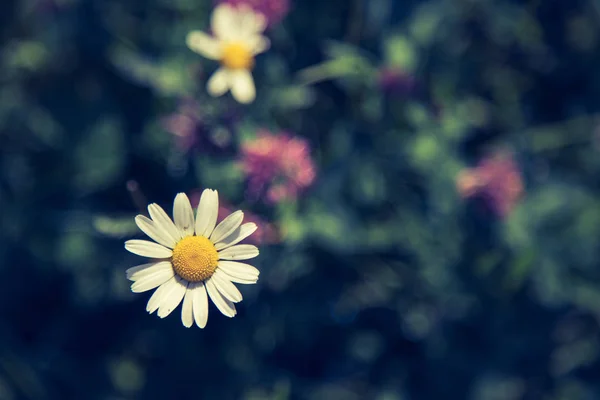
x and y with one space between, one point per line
194 259
237 39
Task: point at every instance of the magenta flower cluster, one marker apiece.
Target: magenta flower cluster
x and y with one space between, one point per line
273 10
278 166
497 179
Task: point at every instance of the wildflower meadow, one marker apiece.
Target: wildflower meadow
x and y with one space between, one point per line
299 199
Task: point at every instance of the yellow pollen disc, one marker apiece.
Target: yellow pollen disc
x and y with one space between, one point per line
237 55
195 258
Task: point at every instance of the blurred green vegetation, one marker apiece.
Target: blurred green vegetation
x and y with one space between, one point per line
385 283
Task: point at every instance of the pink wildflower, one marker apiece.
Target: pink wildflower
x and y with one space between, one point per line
278 166
184 123
395 81
497 179
191 131
273 10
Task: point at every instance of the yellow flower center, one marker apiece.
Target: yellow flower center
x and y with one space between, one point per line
195 258
237 55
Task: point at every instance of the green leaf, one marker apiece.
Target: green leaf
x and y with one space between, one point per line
293 97
100 157
28 55
520 269
400 53
344 61
425 149
116 227
424 24
227 177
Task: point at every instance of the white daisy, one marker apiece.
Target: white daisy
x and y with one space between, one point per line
192 257
237 39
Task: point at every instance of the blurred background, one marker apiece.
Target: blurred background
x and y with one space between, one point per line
424 174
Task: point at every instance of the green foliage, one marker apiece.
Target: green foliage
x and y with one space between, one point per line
99 157
382 281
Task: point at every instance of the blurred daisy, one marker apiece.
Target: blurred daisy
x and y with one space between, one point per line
192 258
237 39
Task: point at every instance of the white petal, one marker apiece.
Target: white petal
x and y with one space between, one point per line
145 248
242 86
260 22
227 226
226 288
204 44
154 232
258 44
245 19
135 273
162 220
239 252
187 314
239 270
223 22
206 216
183 214
226 307
250 22
150 281
237 236
173 297
200 304
134 270
157 298
219 82
242 281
